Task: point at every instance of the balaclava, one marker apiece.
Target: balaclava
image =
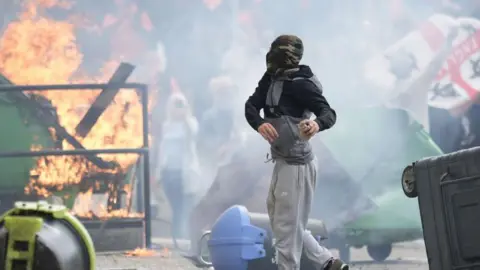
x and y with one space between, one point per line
285 52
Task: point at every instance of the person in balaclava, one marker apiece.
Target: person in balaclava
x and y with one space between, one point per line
289 93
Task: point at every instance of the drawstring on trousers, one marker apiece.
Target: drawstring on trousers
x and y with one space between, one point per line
269 159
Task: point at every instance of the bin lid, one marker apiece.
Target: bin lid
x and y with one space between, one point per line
234 240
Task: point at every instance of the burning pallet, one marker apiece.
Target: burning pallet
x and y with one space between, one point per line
103 201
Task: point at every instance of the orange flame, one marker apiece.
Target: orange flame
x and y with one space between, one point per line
35 49
143 252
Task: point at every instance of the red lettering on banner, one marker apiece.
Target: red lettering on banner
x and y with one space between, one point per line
460 54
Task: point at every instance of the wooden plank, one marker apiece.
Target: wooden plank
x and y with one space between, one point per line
48 116
104 99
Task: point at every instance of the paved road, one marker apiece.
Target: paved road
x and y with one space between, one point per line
407 256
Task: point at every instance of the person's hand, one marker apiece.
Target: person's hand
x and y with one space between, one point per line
268 132
308 128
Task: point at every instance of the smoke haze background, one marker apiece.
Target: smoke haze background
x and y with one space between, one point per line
180 45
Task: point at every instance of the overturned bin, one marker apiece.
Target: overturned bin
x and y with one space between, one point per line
240 240
39 236
448 191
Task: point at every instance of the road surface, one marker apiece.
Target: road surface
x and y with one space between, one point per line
405 256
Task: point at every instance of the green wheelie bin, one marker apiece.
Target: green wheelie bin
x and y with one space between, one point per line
21 130
373 145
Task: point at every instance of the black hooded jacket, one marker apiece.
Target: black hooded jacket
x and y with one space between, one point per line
297 96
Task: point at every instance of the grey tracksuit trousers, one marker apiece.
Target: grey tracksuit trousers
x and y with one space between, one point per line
289 202
292 188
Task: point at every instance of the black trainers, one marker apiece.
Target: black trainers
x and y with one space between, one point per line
337 264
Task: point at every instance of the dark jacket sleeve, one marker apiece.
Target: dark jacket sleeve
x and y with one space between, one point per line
311 96
256 102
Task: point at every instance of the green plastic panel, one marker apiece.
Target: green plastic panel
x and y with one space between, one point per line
19 132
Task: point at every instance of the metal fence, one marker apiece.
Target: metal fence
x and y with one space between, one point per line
143 151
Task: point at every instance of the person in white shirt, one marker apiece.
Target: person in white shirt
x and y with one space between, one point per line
177 163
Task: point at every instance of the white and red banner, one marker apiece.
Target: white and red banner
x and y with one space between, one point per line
459 79
401 72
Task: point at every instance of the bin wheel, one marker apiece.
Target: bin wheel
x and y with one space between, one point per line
409 184
344 253
379 253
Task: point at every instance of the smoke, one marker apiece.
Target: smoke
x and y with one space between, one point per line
232 40
369 144
194 42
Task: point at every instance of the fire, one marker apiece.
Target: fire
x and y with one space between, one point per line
143 252
35 49
90 205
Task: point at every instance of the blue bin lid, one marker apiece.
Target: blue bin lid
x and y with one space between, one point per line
234 240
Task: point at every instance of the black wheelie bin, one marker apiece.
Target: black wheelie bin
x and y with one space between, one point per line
448 191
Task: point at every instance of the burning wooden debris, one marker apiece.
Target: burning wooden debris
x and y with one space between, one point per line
143 252
103 100
35 49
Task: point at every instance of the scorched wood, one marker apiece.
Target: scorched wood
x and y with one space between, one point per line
104 99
